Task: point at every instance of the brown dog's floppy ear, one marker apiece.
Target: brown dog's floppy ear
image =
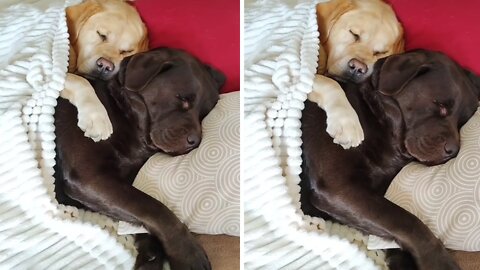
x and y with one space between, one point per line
138 70
398 70
328 13
77 15
218 76
475 79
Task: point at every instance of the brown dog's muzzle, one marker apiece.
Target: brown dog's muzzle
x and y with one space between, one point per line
433 149
176 141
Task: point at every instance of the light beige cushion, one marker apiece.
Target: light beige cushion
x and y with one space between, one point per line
203 187
446 197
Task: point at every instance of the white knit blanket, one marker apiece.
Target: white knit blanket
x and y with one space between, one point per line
281 50
36 232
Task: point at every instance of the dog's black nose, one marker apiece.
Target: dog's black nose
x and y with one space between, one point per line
193 140
357 68
105 66
451 148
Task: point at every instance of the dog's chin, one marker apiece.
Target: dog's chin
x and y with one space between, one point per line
176 152
171 150
432 162
99 75
423 158
346 77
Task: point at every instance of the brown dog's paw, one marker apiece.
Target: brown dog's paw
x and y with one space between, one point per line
439 259
442 263
187 254
150 253
400 260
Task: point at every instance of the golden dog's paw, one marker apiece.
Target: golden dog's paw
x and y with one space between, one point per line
345 128
94 121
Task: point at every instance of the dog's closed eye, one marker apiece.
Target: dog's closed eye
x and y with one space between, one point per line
355 35
443 107
103 37
189 98
187 101
378 53
122 52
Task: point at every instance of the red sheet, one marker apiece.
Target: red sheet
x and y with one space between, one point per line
448 26
210 30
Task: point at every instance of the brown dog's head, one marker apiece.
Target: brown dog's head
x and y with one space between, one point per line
102 33
170 92
435 97
354 35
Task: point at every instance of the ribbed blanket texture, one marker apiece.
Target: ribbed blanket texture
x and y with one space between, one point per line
36 232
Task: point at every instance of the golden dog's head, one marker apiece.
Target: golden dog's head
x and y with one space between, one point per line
355 34
102 33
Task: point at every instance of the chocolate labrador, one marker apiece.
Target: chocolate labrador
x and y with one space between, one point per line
411 108
156 103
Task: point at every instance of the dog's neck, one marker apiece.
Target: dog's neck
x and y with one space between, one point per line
138 125
123 100
386 109
380 112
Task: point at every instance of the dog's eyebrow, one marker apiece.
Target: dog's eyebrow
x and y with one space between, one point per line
355 35
380 52
125 51
102 36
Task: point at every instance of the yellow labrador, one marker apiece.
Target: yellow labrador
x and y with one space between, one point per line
102 33
354 34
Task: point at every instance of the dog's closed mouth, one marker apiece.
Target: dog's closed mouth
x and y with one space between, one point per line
176 153
94 76
169 149
335 77
431 162
345 77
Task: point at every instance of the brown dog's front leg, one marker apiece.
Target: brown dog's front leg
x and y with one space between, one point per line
104 194
374 214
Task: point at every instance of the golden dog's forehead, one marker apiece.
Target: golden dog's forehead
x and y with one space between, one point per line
117 22
381 29
126 31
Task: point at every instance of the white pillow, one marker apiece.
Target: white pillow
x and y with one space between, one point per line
203 187
446 197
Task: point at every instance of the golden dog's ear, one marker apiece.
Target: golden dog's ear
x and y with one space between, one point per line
399 45
77 15
328 13
143 45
